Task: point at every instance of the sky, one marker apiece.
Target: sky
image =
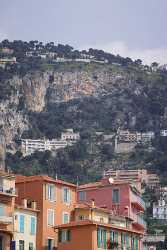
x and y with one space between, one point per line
133 28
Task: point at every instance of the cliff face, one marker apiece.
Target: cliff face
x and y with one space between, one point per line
125 97
34 91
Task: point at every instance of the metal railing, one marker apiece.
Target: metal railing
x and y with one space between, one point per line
5 190
6 219
139 200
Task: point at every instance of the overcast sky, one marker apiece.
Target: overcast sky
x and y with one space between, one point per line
135 28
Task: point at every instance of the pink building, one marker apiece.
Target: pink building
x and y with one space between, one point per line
120 197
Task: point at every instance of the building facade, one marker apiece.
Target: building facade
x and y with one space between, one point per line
120 197
136 176
68 138
90 235
25 225
55 200
7 201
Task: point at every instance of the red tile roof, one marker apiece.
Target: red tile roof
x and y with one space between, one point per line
46 178
90 206
90 222
103 182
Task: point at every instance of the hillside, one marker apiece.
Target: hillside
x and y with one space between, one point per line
39 98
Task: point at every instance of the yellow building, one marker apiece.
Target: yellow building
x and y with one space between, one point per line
25 224
90 212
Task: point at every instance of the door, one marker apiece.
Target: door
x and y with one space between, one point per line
1 242
50 244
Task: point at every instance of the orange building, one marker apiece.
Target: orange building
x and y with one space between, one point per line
55 200
7 200
90 235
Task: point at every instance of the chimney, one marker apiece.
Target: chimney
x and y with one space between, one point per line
24 203
34 205
93 203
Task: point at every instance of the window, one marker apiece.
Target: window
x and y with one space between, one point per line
31 246
50 192
66 195
64 235
50 217
21 223
157 209
21 244
115 196
2 210
101 238
82 195
66 218
32 225
81 217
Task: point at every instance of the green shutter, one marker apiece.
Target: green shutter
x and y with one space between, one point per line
98 237
127 241
68 235
105 238
122 241
59 235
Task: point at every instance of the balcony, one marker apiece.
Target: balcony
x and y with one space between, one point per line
6 219
138 202
138 221
7 191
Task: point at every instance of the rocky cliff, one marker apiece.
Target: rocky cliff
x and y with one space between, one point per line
130 97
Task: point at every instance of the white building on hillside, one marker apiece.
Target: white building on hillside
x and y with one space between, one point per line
70 135
68 138
160 210
163 132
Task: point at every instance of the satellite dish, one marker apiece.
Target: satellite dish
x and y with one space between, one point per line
111 180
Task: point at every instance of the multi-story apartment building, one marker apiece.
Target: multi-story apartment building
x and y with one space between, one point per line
7 201
119 196
135 176
95 228
29 146
68 138
128 136
55 202
25 224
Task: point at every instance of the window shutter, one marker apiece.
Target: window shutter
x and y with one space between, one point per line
53 193
69 195
127 240
21 224
98 237
46 192
62 194
105 239
68 235
111 236
33 225
59 235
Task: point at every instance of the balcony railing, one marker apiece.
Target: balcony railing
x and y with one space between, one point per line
10 191
137 218
137 199
6 219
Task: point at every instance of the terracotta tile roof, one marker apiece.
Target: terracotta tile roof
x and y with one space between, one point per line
90 222
103 182
90 185
21 179
89 206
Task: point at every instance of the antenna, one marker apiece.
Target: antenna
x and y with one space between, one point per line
77 181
